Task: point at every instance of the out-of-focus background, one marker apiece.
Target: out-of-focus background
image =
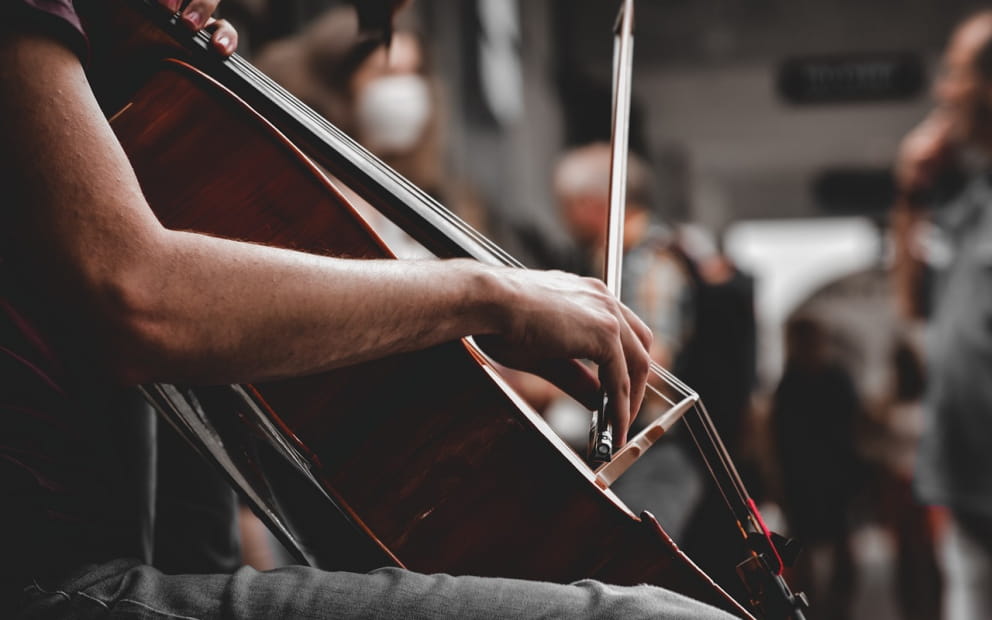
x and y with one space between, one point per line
765 133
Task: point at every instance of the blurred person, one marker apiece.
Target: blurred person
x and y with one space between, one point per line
944 162
813 415
383 97
96 296
917 572
880 352
718 360
656 287
386 98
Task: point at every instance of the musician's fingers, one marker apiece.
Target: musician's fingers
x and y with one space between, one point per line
641 329
636 339
196 14
223 36
615 379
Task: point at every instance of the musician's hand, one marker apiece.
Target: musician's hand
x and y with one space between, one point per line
199 15
556 315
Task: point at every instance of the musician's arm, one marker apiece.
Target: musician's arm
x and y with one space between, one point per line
176 306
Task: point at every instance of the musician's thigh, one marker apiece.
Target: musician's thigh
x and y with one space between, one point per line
129 590
395 593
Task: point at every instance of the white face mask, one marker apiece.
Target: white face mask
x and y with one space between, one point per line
392 112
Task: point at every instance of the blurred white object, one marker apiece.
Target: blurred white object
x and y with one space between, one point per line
392 112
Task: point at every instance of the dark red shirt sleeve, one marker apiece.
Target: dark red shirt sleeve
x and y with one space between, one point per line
55 17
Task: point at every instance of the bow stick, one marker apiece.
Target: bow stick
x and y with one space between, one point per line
601 433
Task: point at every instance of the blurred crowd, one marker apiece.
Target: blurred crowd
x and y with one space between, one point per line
830 446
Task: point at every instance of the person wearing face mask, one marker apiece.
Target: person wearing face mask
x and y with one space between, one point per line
382 97
396 111
944 162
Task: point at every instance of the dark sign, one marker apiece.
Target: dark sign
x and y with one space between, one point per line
851 78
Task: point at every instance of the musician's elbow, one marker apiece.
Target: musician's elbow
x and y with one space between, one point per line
137 343
140 340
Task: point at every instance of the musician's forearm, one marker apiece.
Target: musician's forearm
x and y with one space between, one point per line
217 311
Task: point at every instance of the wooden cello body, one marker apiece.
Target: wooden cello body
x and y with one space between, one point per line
427 459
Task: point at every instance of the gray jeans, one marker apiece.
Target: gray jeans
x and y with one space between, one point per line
128 589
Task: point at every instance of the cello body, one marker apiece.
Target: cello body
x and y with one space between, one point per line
426 460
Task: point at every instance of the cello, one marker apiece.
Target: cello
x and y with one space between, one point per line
425 460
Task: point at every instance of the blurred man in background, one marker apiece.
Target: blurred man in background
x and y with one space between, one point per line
945 162
813 415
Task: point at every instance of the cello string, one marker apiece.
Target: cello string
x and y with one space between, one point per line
715 456
661 395
704 415
721 466
712 439
712 434
733 495
742 507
